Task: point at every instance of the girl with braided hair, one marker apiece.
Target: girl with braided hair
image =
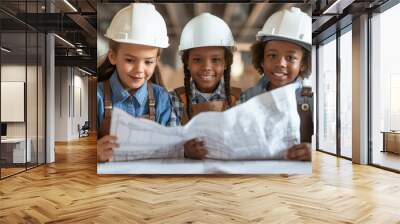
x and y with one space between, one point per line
206 47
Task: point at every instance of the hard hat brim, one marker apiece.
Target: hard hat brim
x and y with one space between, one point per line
232 48
305 45
139 42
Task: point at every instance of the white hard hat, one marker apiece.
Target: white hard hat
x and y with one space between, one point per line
291 25
139 23
206 30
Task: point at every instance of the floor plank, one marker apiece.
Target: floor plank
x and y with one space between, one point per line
70 191
387 159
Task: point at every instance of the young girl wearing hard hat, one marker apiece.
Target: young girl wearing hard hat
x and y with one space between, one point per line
282 55
206 47
136 35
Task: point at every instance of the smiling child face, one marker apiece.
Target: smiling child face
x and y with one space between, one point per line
135 63
206 66
282 62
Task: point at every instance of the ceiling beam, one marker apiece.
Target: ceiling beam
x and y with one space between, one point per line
201 7
91 5
178 16
257 10
84 24
337 7
321 20
84 61
63 6
228 13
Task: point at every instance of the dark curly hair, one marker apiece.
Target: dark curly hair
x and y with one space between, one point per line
227 76
106 69
257 58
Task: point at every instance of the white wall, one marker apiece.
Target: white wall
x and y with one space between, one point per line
15 73
33 127
61 103
79 117
69 82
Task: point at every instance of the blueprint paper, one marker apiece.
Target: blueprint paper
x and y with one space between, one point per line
262 128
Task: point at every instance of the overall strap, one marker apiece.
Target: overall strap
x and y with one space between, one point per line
152 101
235 95
107 100
306 118
306 91
181 93
104 128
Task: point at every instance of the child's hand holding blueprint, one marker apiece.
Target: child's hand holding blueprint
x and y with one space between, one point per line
262 128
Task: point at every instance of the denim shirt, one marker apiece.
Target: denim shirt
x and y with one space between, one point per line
137 104
261 85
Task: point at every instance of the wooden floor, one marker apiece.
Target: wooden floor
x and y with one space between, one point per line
10 171
387 159
70 191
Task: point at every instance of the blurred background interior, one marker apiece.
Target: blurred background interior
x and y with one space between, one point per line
244 19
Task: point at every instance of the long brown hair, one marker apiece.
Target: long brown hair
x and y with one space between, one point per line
227 77
106 69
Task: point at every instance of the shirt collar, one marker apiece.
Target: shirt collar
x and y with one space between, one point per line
262 83
141 94
120 94
219 91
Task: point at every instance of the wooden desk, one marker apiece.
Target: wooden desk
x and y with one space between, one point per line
391 141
